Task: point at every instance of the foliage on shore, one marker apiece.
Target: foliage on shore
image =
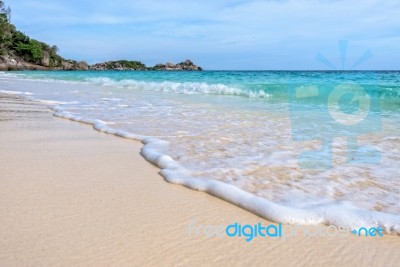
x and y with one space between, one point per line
137 65
119 65
19 51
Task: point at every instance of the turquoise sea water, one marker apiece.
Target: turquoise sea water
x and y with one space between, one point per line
249 82
294 147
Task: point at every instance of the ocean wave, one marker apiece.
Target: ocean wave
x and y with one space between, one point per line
188 88
341 214
335 213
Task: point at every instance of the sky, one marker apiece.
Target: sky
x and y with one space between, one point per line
218 34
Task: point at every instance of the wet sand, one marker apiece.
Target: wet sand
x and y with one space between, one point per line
72 196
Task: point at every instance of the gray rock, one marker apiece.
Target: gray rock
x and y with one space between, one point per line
81 65
45 59
169 65
186 65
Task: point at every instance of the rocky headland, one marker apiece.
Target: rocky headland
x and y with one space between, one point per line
20 52
11 62
186 65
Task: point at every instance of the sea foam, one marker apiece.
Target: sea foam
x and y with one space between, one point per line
238 149
337 214
188 88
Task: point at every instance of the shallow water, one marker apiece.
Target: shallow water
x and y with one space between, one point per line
252 130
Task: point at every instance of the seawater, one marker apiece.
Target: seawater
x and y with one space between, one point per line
234 134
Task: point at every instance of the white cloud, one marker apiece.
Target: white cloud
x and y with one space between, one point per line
270 33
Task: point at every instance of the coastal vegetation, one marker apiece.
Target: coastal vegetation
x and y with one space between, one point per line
119 65
20 52
137 65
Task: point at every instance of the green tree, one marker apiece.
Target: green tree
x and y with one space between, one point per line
31 51
19 37
54 49
5 28
5 13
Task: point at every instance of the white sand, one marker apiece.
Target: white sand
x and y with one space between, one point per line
71 196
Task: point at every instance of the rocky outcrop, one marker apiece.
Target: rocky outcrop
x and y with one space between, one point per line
73 65
10 63
186 65
81 65
67 65
14 63
46 59
119 65
137 65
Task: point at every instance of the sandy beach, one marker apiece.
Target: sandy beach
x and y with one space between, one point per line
71 196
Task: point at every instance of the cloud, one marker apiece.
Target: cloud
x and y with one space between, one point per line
219 34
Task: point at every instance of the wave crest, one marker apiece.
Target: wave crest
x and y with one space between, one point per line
188 88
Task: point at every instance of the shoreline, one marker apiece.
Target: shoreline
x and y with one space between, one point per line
264 208
74 196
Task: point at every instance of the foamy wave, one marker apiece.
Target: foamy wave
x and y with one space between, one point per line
11 92
334 212
189 88
15 92
338 214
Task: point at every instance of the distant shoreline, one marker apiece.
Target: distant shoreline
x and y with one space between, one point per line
9 63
